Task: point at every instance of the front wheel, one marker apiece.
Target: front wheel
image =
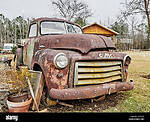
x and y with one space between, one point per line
45 99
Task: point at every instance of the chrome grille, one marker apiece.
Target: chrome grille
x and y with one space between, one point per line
96 72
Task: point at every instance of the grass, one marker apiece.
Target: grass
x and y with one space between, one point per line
137 100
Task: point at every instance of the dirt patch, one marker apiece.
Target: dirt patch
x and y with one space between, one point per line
87 105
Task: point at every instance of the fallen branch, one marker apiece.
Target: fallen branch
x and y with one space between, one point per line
65 104
100 98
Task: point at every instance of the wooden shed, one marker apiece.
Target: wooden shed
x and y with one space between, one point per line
101 30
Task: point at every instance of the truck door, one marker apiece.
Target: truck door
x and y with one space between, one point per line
28 49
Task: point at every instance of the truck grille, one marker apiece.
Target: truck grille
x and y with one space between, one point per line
96 72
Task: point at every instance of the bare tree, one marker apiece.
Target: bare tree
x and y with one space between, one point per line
141 8
12 31
147 12
72 9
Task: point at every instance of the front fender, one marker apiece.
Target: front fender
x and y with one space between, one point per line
55 78
124 56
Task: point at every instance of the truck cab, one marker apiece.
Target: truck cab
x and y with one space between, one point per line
74 65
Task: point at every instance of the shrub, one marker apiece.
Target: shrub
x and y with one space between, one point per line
14 49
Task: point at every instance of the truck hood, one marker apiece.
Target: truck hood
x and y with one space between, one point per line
81 42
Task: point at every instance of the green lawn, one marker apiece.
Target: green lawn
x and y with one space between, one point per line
138 99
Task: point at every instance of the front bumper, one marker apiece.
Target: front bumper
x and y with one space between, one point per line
92 91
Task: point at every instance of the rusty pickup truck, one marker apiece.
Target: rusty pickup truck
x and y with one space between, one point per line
74 65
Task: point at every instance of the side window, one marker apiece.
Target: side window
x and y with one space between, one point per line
33 30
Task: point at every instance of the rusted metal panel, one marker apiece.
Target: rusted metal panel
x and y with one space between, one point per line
100 63
69 79
90 91
80 42
28 51
109 43
98 75
95 72
53 19
106 69
55 78
98 81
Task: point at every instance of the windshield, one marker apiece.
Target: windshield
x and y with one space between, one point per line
73 28
50 27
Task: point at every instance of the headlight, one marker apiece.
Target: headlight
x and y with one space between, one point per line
60 60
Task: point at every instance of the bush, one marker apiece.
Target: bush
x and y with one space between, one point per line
15 81
14 49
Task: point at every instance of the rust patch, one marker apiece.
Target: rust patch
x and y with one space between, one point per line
80 42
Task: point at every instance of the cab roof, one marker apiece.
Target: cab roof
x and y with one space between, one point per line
53 19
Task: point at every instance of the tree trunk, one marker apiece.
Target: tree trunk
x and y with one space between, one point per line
146 3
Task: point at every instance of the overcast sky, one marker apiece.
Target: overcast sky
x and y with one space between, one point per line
102 9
